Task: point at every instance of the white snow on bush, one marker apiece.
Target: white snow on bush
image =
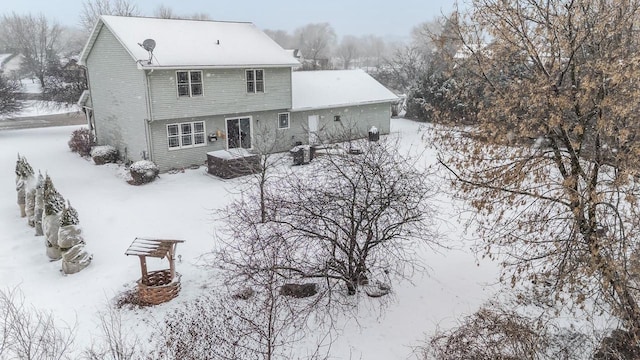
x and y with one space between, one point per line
102 150
143 166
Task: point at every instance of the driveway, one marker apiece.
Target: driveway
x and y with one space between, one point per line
76 118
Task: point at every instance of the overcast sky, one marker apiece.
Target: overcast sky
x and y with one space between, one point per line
348 17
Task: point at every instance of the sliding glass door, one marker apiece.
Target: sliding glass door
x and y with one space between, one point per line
239 133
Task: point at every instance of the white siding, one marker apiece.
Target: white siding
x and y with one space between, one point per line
354 121
262 122
224 93
118 96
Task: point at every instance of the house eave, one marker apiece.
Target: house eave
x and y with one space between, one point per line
142 66
332 106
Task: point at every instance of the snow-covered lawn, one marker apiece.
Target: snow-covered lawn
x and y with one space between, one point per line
40 108
31 86
178 206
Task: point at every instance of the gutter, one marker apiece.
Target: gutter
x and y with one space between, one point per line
325 107
207 67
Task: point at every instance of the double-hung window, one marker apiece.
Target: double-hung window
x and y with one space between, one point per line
189 83
283 120
186 135
255 81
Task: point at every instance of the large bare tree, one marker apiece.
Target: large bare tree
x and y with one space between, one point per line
92 9
316 42
552 168
346 220
36 38
349 50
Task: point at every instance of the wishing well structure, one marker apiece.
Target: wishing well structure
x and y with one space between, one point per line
158 286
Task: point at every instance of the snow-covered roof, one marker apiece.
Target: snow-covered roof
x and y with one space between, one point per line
182 43
334 88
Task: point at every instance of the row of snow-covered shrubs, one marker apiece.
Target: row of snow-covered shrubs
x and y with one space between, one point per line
83 142
47 212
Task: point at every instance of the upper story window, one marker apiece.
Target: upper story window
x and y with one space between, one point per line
186 135
189 83
255 81
283 120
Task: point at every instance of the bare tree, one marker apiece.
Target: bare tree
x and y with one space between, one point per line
375 49
282 37
92 9
200 16
164 12
30 334
349 50
246 325
497 331
560 205
115 343
36 38
316 42
350 221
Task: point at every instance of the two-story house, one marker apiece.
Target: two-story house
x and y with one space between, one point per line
172 90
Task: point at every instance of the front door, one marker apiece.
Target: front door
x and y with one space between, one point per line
239 133
314 123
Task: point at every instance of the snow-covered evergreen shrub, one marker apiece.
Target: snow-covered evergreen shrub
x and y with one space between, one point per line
39 205
75 259
143 172
81 141
53 206
30 200
104 154
71 242
23 172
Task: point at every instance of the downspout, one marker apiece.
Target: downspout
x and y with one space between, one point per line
93 114
149 119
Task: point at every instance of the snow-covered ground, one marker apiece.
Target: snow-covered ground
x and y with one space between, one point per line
112 213
40 108
31 86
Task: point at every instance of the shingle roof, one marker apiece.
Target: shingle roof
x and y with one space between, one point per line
193 43
326 89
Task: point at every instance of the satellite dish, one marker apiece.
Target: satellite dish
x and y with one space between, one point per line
149 44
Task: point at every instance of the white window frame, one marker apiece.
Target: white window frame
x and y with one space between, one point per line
288 120
181 135
254 81
189 83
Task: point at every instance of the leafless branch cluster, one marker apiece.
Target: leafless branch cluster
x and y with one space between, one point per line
349 221
30 334
245 325
92 9
552 170
498 332
33 36
114 342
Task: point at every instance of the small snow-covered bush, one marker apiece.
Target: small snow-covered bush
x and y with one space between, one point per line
143 172
81 141
104 154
